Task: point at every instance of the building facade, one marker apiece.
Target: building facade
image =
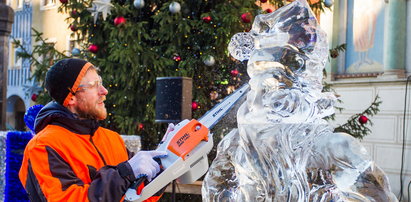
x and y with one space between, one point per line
377 61
42 16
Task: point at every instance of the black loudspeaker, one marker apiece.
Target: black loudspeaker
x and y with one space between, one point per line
173 99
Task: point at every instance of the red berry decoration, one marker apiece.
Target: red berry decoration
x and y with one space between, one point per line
34 97
207 19
234 72
194 105
177 58
63 1
140 126
263 1
246 17
73 28
269 10
119 20
93 48
363 119
334 53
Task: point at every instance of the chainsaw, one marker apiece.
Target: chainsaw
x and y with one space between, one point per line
187 147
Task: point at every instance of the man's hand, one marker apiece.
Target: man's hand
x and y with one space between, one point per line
144 165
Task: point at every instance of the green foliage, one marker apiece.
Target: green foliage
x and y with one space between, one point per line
354 127
132 55
42 56
334 52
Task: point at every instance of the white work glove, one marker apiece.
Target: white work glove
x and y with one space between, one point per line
144 165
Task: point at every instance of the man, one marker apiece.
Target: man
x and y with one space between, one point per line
72 158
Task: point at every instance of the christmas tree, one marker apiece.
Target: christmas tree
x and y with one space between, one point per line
133 42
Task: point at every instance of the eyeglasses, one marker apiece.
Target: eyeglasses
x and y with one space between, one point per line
91 84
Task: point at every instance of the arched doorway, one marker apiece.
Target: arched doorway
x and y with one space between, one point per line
15 114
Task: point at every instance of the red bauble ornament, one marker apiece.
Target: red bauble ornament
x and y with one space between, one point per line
73 28
234 72
74 13
194 105
207 19
246 17
34 97
63 1
363 119
93 48
177 58
269 10
119 20
140 126
263 1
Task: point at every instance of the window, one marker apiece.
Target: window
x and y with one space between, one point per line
73 44
363 25
47 4
50 56
365 36
15 4
15 62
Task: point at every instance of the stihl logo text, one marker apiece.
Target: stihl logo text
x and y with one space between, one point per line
215 114
183 139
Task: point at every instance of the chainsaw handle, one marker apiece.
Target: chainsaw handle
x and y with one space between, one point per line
140 180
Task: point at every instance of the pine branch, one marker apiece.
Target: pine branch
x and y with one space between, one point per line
335 52
42 57
357 129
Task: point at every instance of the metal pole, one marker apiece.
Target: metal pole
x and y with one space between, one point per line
173 194
6 20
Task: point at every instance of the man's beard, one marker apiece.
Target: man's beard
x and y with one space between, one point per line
91 112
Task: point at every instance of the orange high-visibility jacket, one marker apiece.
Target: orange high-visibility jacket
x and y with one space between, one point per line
74 160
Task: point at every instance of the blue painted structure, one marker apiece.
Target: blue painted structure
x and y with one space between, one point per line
18 97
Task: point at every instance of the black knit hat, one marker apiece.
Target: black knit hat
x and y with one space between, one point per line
65 77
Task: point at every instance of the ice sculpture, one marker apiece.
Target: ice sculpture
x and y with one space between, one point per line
283 150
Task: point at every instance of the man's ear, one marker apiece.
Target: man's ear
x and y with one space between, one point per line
72 101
